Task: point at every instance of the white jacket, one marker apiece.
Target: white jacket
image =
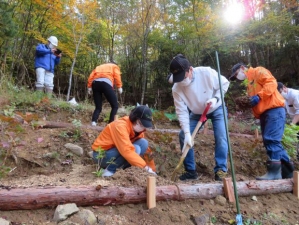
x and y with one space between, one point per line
292 102
205 85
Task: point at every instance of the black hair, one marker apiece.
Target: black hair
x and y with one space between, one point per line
133 117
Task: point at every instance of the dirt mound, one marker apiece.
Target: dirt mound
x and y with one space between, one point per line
37 157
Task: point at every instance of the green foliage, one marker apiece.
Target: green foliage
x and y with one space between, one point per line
106 117
9 111
213 219
101 154
4 170
77 124
252 222
289 139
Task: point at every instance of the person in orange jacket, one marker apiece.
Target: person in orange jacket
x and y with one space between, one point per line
268 106
101 81
124 143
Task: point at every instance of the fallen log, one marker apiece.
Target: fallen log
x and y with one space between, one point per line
45 197
51 124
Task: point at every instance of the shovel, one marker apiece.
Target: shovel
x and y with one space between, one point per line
202 119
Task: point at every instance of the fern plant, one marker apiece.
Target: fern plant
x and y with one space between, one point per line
289 139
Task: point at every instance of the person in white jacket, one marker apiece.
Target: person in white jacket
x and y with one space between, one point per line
193 89
291 97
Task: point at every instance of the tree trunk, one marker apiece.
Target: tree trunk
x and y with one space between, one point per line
42 197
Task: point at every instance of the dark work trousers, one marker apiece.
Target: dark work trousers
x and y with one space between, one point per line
99 88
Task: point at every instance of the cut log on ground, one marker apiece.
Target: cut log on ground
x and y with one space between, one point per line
45 197
51 124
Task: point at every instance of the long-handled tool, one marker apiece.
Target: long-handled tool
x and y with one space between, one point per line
202 119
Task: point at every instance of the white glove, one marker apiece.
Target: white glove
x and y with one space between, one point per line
213 102
120 90
188 140
89 91
148 169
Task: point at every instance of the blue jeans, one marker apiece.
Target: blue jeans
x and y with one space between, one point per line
114 160
221 144
272 126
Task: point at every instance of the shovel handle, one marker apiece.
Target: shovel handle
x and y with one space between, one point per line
203 118
185 150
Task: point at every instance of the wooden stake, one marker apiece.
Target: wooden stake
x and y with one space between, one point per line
205 128
296 184
256 133
151 192
228 189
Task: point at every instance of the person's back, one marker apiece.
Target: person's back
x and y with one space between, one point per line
101 81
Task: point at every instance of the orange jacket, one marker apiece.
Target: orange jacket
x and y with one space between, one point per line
120 134
262 83
108 70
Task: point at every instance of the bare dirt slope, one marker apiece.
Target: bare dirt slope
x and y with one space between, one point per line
37 157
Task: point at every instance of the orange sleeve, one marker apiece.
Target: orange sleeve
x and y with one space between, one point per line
268 82
117 76
120 135
90 79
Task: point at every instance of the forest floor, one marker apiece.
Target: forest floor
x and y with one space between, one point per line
37 157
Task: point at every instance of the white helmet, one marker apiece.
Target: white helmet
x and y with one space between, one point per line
53 40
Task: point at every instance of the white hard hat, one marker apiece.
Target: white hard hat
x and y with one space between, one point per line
53 40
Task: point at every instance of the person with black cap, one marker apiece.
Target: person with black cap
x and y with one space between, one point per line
268 106
193 89
124 143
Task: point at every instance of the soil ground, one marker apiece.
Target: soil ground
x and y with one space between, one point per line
37 157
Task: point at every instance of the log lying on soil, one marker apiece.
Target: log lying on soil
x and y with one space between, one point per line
51 124
45 197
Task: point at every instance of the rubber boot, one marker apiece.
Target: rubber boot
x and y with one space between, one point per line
273 171
41 89
49 92
39 92
287 169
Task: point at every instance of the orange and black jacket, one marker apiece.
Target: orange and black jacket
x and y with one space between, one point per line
262 83
110 71
120 134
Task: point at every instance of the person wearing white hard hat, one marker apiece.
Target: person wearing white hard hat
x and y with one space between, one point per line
47 56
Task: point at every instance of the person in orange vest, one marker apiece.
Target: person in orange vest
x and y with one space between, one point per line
267 105
101 81
124 143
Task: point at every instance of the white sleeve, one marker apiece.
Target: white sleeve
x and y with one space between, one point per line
224 84
296 104
182 112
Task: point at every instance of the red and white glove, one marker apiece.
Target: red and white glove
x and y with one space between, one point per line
120 90
89 91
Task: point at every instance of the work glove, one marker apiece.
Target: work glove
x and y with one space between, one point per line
254 100
120 90
188 140
148 169
213 102
89 91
